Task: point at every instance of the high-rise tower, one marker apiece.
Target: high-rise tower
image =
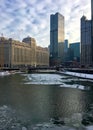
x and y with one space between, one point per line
92 27
87 39
86 57
56 38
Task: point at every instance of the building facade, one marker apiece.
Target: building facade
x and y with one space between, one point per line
86 42
56 38
65 50
42 56
92 28
17 54
75 47
66 45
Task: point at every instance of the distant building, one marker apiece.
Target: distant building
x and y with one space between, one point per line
17 54
75 47
65 50
70 54
86 43
56 38
66 45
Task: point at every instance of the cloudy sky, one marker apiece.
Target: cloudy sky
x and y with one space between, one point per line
22 18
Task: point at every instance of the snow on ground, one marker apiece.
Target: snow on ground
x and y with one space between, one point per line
82 75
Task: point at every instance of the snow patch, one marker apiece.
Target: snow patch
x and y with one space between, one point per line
89 127
43 79
82 75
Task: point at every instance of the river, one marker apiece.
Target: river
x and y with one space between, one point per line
45 102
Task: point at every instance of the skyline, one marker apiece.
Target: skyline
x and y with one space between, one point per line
23 18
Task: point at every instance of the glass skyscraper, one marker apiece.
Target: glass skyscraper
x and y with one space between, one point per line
92 27
86 52
87 39
56 38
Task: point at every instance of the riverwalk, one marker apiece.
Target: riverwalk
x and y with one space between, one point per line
76 74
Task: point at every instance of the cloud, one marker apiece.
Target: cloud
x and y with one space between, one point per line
20 18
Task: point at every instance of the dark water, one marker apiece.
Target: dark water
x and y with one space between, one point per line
45 102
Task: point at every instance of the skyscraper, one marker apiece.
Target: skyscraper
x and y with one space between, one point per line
56 38
87 39
92 26
86 42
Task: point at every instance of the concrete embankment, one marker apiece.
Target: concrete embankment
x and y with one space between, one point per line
80 74
41 71
80 70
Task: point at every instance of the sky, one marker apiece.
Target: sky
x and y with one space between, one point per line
22 18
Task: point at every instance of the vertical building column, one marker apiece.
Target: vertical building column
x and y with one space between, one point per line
92 27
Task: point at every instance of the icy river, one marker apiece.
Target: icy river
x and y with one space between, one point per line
45 102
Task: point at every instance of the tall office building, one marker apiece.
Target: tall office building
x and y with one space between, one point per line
92 26
86 42
56 38
87 39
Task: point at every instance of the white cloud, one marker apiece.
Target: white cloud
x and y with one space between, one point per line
32 17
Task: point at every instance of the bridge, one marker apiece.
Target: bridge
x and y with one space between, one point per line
42 69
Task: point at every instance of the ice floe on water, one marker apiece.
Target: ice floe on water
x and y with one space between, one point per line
43 79
47 126
9 121
55 79
74 86
7 118
89 128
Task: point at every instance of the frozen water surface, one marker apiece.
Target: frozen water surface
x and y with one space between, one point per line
44 79
45 102
8 120
55 79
